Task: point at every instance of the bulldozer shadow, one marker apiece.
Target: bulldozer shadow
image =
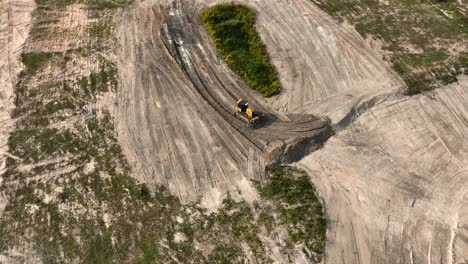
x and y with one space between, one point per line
267 121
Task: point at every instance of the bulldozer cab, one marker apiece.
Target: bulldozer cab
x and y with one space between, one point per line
242 105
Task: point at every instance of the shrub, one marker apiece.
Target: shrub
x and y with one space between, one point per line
232 29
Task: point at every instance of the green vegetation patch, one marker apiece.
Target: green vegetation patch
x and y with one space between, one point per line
424 41
33 61
101 29
300 209
98 5
232 29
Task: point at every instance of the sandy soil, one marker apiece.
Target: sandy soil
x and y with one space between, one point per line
176 103
60 30
15 19
178 94
325 68
393 179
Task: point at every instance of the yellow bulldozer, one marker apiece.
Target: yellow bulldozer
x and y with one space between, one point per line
248 114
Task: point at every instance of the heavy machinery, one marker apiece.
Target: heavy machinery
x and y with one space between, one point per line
248 114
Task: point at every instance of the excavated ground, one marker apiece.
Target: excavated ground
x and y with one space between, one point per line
176 109
177 97
393 179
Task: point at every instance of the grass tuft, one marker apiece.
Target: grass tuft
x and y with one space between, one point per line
34 61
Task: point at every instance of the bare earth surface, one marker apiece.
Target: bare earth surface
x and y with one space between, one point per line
394 177
394 181
325 68
176 109
15 18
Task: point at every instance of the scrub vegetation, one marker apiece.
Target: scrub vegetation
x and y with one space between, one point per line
298 206
232 29
33 61
425 42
